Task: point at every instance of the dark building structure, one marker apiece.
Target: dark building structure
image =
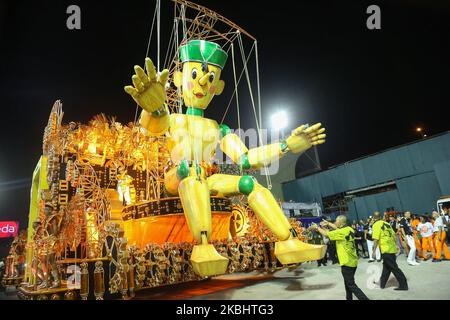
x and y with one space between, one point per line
410 177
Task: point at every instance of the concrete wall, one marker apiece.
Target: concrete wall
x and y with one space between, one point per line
442 171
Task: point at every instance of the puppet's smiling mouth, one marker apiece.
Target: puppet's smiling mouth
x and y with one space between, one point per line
199 95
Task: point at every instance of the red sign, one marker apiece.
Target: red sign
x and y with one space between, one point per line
8 229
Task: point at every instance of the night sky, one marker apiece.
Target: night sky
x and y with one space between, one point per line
369 88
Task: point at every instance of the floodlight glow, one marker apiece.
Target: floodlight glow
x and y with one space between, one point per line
279 120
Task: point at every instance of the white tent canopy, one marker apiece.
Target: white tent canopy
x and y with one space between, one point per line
301 208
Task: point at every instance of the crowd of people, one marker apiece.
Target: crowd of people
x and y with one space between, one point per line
383 238
419 237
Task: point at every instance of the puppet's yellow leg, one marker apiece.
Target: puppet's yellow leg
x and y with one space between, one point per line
289 249
195 197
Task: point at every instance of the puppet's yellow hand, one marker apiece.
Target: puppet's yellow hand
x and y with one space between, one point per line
305 137
148 89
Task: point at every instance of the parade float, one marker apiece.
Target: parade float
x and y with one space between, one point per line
116 208
15 261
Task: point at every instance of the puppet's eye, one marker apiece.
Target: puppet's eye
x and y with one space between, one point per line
212 76
194 73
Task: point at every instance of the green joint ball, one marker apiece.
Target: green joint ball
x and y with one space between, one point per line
244 162
246 185
224 130
183 170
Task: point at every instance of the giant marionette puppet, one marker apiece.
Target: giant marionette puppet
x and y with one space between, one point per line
192 140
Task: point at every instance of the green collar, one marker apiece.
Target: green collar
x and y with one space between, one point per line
191 111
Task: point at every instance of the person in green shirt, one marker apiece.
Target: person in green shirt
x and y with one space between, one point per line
384 236
346 251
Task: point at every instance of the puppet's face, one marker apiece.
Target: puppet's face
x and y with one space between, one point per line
199 83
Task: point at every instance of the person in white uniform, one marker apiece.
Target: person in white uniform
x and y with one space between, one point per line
368 237
407 233
426 232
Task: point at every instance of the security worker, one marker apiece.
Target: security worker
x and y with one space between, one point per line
346 251
439 238
385 237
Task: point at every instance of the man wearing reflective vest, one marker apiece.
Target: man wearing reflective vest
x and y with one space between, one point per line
385 237
346 250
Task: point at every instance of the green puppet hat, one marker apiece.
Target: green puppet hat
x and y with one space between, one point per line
204 52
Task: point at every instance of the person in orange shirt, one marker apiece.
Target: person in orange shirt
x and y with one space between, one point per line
414 224
439 238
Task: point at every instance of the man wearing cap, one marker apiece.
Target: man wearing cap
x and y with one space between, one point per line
192 141
384 237
346 250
